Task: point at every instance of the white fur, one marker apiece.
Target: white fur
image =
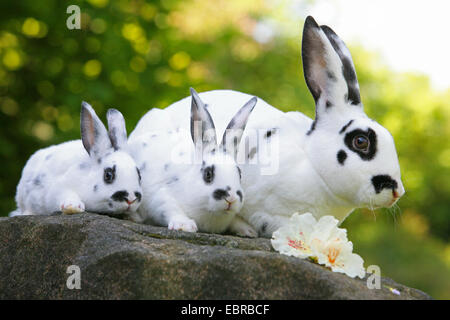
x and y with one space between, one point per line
309 179
175 193
65 178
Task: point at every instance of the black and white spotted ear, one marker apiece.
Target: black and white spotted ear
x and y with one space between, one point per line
203 131
233 133
328 67
93 133
117 130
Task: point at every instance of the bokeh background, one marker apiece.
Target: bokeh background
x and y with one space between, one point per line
135 55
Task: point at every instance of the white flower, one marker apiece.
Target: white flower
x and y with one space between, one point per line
337 254
305 237
293 239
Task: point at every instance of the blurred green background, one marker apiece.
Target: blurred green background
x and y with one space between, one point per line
134 55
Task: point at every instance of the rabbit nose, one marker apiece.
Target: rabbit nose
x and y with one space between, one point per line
384 181
220 194
120 196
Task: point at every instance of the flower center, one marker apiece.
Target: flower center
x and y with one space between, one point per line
298 244
332 254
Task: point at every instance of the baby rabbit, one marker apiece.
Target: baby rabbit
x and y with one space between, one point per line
93 174
189 182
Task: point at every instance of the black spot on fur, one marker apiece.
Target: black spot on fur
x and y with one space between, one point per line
139 175
346 126
341 156
95 188
370 152
328 104
220 194
239 193
240 173
383 181
99 161
166 166
120 196
269 133
110 204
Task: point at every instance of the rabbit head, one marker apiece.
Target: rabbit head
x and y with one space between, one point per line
354 155
219 173
113 179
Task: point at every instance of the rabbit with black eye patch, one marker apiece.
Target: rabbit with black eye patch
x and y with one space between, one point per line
94 174
190 182
331 165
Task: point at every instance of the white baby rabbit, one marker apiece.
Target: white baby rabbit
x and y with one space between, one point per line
94 174
340 161
190 182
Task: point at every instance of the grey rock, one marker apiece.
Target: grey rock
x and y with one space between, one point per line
119 259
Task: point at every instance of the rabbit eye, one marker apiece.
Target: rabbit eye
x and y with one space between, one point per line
361 142
208 174
109 174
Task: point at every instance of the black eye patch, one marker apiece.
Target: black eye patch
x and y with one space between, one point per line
208 174
371 150
109 175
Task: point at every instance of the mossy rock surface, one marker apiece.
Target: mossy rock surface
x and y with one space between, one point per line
119 259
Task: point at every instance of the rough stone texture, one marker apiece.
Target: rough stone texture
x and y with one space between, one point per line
123 260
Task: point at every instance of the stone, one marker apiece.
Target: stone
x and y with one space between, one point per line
119 259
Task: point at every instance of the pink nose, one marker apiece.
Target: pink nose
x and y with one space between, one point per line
131 202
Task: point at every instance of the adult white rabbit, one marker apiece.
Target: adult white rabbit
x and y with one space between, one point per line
189 185
340 161
94 174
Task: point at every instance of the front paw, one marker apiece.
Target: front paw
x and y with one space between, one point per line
183 224
72 207
245 230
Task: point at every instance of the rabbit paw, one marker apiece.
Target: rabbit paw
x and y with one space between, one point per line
183 224
245 231
70 207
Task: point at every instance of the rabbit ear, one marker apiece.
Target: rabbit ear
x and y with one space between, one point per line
328 67
117 130
233 133
93 133
203 131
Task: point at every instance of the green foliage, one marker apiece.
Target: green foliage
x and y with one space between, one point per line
134 55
